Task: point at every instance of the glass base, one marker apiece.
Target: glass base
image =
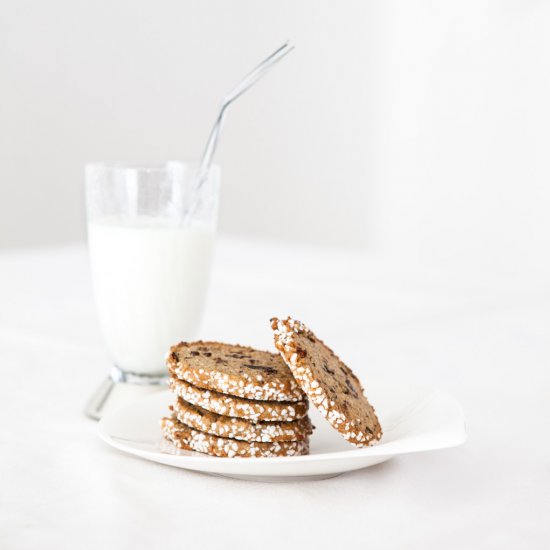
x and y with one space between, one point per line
122 388
141 379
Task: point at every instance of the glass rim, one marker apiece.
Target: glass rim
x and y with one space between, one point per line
145 166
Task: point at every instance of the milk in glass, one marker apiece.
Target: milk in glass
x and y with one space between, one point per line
150 280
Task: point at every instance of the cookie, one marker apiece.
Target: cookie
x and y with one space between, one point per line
330 385
187 438
234 370
228 405
238 428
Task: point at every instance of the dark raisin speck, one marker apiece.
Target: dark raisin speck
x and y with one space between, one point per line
350 386
268 370
326 369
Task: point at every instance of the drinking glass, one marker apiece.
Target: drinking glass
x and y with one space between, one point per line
151 236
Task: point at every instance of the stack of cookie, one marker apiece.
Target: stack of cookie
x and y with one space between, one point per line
235 401
238 401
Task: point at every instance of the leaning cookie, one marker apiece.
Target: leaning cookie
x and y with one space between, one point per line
239 428
235 370
228 405
187 438
330 385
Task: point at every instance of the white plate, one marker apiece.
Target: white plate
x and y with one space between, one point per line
413 419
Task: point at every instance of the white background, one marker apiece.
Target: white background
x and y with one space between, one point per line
417 129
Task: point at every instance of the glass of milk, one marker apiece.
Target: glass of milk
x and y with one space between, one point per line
151 235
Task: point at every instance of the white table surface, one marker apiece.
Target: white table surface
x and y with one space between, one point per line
484 339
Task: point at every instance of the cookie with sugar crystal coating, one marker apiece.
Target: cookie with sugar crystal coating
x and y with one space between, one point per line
239 428
234 370
331 386
229 405
189 439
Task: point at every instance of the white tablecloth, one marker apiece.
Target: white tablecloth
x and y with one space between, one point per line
487 341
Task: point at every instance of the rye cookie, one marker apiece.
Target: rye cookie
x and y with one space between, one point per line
234 370
239 428
330 385
228 405
187 438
